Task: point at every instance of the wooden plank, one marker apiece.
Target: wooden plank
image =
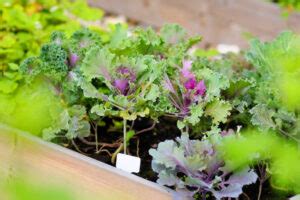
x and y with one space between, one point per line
87 178
6 155
219 21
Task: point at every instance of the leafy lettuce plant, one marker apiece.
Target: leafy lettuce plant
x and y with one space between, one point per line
195 169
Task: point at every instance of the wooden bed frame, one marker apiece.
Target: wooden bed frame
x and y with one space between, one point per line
23 154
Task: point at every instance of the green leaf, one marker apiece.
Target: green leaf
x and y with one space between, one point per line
262 116
81 9
214 81
72 123
89 91
129 135
219 110
99 109
181 124
172 33
96 60
7 86
196 114
153 93
31 107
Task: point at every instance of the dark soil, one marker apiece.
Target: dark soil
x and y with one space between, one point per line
140 145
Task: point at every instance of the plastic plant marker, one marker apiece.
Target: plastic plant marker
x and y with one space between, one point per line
128 163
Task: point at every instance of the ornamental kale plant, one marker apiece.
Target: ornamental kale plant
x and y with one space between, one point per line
137 74
196 95
196 170
192 90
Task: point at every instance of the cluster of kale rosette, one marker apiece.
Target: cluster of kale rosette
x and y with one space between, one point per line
196 169
144 74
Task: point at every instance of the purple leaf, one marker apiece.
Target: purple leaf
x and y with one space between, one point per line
123 70
73 58
236 183
244 177
190 84
200 88
127 73
165 178
168 84
233 191
228 132
185 71
122 85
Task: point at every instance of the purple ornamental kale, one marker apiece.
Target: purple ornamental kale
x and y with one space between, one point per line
125 78
122 80
195 167
192 89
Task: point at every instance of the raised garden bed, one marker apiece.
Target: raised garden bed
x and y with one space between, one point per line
47 163
154 94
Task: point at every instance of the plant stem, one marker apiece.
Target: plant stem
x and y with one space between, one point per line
77 148
146 129
113 157
259 190
96 136
263 177
124 135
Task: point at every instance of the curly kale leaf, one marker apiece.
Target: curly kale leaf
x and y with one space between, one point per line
97 63
51 63
54 59
218 110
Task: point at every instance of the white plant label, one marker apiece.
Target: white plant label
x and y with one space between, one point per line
128 163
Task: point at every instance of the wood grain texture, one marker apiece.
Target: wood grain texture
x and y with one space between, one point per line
88 179
219 21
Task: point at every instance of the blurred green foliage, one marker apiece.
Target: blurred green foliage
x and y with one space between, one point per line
26 24
31 107
288 6
253 147
25 189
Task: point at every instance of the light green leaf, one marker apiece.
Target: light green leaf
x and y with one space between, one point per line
262 116
196 114
97 63
219 110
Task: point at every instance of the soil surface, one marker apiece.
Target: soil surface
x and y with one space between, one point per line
140 145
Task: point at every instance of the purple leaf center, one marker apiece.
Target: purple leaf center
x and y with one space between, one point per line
73 58
122 85
190 84
201 88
